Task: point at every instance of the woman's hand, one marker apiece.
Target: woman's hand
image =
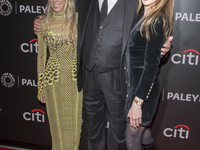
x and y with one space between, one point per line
37 26
166 46
43 98
135 114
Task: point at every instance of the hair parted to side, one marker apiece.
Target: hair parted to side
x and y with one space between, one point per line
163 9
69 17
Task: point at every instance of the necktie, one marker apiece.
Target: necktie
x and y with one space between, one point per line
104 10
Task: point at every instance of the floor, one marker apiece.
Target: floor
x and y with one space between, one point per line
4 147
12 145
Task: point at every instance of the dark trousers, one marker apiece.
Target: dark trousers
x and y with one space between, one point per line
103 90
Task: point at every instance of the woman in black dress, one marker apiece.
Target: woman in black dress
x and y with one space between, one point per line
142 68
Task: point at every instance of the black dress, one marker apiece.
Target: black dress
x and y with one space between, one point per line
142 68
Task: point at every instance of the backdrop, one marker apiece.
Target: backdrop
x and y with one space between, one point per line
23 118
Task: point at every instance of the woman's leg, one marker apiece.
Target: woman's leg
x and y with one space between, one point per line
133 137
147 140
146 137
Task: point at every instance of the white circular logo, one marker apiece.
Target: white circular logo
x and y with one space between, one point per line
5 7
7 80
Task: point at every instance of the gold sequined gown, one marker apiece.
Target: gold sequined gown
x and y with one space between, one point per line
57 79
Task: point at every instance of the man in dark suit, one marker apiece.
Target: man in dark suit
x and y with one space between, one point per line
100 49
104 27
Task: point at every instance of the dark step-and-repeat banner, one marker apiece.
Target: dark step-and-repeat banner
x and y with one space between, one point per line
23 118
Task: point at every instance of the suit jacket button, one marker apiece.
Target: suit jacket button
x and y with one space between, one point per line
127 95
101 27
99 40
124 68
147 97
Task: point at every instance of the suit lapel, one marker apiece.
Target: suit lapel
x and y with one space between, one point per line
86 20
129 18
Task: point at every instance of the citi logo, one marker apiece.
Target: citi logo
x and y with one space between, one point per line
30 47
179 131
189 56
35 115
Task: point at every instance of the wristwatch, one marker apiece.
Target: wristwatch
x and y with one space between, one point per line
139 103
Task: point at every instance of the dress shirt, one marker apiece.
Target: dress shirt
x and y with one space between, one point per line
111 4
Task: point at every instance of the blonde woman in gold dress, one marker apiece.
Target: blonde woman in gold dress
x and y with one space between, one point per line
57 86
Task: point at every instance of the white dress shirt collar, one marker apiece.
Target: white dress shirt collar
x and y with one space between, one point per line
111 4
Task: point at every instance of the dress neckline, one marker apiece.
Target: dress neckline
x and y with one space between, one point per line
140 21
57 16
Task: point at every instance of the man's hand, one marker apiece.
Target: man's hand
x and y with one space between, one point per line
166 46
43 98
37 26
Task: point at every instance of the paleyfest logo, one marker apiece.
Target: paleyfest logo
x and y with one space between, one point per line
32 9
8 80
5 8
189 56
191 17
184 97
179 131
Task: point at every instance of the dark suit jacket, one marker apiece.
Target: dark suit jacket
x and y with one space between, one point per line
142 67
130 19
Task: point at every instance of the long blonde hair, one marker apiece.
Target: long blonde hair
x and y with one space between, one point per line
161 8
69 17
